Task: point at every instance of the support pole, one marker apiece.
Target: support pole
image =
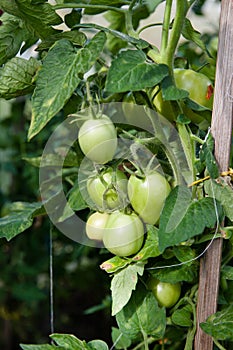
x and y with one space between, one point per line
221 130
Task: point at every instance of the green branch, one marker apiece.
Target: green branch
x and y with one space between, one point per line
88 6
166 25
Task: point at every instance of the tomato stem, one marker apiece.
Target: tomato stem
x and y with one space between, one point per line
168 54
166 26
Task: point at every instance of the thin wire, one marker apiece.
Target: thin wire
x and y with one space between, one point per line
206 248
116 341
51 280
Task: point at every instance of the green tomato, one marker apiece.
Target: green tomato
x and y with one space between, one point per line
98 139
123 234
95 225
167 294
200 91
108 190
197 84
147 196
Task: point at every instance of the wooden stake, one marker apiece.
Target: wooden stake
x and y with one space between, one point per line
222 132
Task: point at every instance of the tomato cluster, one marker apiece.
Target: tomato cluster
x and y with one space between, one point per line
122 204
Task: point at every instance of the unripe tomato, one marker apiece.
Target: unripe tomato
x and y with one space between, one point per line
200 91
95 225
197 84
98 139
147 195
107 193
167 294
123 234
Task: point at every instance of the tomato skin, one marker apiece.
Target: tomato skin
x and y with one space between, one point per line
197 84
98 139
105 198
123 234
95 225
167 294
200 91
147 196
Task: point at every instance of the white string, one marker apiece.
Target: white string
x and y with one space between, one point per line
51 281
206 248
116 341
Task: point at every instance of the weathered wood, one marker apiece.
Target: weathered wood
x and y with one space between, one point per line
221 130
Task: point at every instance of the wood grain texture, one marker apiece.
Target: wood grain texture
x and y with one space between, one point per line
221 129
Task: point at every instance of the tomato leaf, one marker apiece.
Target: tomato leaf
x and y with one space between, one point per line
63 65
142 315
171 92
183 218
16 77
69 342
120 340
38 18
122 285
11 37
150 249
227 272
97 345
74 36
219 325
193 35
207 157
223 193
175 274
115 264
131 72
20 218
41 347
183 317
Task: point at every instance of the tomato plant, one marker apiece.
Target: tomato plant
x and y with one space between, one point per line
147 195
95 225
89 94
124 234
98 139
108 190
167 294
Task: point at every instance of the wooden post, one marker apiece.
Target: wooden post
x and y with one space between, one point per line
221 130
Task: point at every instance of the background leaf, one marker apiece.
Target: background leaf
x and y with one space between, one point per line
123 283
130 72
20 218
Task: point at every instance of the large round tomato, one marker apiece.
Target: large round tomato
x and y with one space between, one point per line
200 91
167 294
123 234
95 225
147 195
108 190
98 139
